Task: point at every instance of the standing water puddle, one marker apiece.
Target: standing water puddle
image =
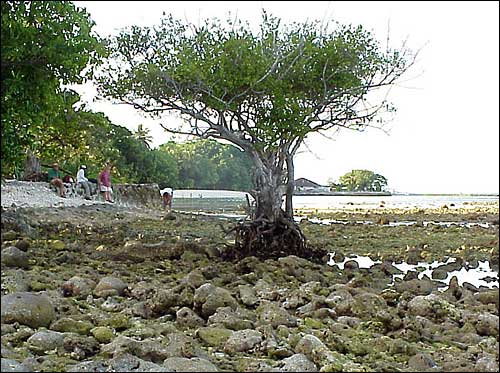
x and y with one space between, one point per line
298 219
475 276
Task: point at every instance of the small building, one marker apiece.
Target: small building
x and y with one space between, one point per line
303 185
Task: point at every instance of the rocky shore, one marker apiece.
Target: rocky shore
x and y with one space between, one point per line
105 288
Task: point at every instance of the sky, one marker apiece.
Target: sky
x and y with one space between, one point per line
445 135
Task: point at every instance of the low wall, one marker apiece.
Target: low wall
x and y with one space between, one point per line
123 194
137 194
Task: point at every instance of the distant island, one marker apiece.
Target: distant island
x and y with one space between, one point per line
306 187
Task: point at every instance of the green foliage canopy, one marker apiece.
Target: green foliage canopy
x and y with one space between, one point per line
44 44
261 91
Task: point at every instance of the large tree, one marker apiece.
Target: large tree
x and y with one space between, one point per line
45 44
262 91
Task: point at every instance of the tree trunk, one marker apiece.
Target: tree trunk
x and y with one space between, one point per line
32 168
268 192
290 186
272 232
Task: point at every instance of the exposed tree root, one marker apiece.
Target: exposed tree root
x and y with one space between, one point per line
266 240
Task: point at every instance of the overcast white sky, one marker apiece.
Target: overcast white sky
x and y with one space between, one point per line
445 137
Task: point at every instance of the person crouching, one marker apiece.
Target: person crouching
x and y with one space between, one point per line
167 196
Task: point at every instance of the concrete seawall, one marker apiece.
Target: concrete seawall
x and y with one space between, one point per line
123 194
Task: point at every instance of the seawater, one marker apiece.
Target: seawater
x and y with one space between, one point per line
218 200
474 276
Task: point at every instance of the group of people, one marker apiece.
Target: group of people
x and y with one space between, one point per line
103 184
103 181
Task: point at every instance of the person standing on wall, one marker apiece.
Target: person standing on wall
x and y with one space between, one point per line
105 182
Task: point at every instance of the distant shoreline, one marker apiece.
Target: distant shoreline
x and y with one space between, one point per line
449 194
389 194
364 194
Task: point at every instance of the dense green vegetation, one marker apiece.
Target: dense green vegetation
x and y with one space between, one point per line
202 164
47 45
360 181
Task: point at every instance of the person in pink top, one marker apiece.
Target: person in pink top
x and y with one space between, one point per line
105 182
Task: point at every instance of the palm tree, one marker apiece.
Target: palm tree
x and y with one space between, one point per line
143 134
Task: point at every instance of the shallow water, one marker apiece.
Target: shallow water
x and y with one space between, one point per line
474 276
225 200
395 201
397 223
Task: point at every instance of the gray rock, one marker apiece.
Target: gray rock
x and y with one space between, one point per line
22 245
45 340
149 349
8 352
88 366
308 344
250 364
8 329
432 306
28 309
13 257
109 286
194 279
349 321
207 298
122 363
215 337
439 273
487 364
488 297
293 265
351 265
231 319
165 300
78 287
487 324
80 346
10 365
341 301
181 345
15 281
388 268
247 295
265 291
243 340
69 325
271 314
298 363
410 275
113 304
422 363
186 317
181 364
415 286
129 363
315 350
